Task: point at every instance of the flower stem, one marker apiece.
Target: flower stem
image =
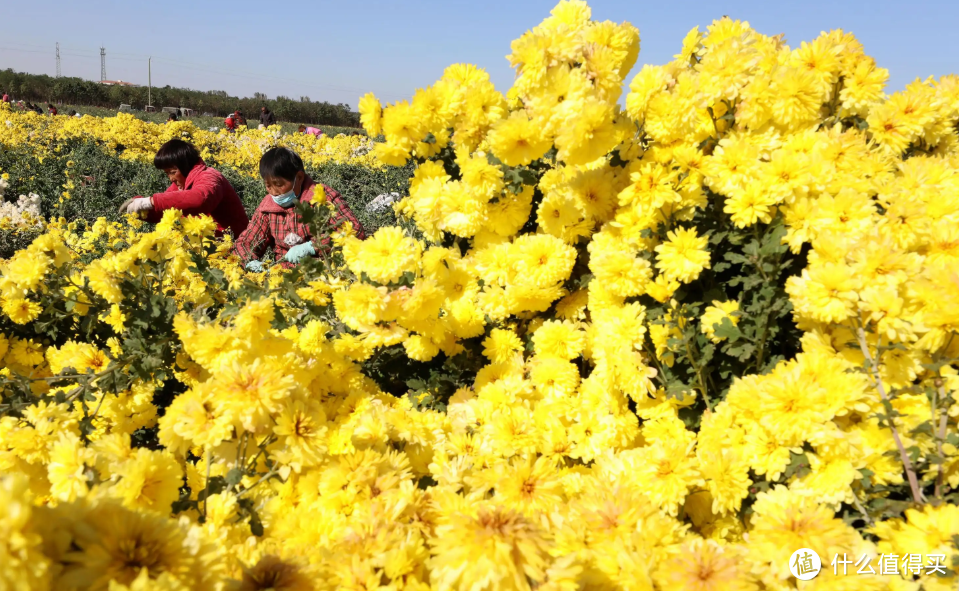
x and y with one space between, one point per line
206 489
861 508
265 477
917 496
941 433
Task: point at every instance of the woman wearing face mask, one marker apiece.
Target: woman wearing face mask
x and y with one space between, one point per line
195 189
275 222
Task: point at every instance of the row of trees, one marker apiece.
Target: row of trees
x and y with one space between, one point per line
76 91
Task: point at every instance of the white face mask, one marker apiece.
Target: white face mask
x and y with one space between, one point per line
286 199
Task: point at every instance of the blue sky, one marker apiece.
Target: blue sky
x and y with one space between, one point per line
336 51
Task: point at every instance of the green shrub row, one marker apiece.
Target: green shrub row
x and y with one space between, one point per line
206 122
43 89
102 182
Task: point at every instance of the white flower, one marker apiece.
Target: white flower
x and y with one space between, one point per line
25 212
383 201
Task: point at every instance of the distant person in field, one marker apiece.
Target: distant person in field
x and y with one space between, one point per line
51 109
6 97
275 223
310 130
172 118
230 123
240 119
266 117
195 189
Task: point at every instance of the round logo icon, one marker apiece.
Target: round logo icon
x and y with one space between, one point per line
804 564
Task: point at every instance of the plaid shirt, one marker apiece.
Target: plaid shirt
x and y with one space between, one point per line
271 225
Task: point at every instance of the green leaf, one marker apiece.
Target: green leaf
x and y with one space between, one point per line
726 329
677 389
742 352
234 476
256 526
887 406
717 237
216 485
798 465
425 482
617 160
935 367
924 428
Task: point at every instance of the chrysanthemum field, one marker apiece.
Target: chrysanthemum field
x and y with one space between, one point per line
651 330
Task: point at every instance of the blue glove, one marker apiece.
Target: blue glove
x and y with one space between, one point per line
254 267
298 252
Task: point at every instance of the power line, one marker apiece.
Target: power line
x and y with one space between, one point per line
219 70
214 70
199 68
91 52
23 50
66 54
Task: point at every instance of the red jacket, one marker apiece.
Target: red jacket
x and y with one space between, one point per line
271 224
206 191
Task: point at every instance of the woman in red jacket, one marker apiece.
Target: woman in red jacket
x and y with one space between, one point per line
195 189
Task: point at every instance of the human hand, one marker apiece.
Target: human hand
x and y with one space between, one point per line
298 252
254 267
124 206
139 204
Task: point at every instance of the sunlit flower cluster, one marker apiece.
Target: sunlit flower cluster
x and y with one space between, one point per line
134 139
